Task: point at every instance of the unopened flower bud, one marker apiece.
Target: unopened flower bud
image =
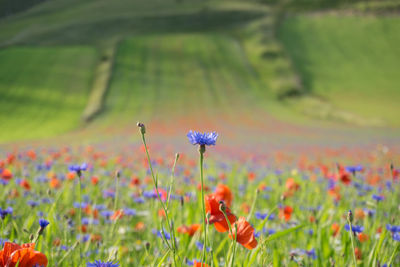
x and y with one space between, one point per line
350 216
142 127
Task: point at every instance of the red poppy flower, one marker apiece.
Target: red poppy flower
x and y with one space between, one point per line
292 185
199 264
117 215
95 180
362 237
24 255
285 213
224 193
25 184
335 229
216 216
245 233
55 183
251 176
6 174
345 177
190 230
358 253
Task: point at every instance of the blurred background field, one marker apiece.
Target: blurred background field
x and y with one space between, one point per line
98 66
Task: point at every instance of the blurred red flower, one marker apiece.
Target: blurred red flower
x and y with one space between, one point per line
245 233
25 255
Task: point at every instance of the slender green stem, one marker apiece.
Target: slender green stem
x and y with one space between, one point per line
2 229
203 256
116 191
115 206
261 226
352 243
234 237
80 214
234 247
394 254
171 229
68 253
172 179
253 205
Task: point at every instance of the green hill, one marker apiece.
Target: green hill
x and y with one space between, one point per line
350 62
179 57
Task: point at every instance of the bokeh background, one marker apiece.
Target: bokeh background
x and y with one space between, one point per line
271 72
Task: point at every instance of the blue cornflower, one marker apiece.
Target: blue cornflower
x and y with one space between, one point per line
262 216
78 168
138 200
378 198
102 264
4 213
130 212
396 237
393 228
106 213
311 253
355 228
199 245
43 223
197 138
32 203
354 169
189 262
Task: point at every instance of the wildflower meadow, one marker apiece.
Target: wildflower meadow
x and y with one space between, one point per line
145 207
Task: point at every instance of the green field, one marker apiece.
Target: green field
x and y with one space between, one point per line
43 90
351 62
162 73
192 58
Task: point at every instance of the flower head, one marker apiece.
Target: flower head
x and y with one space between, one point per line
190 230
217 217
102 264
245 234
4 213
355 228
25 256
43 223
197 138
78 168
285 212
223 193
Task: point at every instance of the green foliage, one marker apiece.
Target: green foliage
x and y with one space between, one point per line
348 61
43 90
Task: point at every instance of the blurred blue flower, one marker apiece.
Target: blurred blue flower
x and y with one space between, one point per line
378 198
78 168
102 264
197 138
354 169
4 213
355 228
393 228
32 203
199 245
396 237
130 212
311 253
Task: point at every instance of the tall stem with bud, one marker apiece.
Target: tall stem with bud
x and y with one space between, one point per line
155 182
202 149
350 222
